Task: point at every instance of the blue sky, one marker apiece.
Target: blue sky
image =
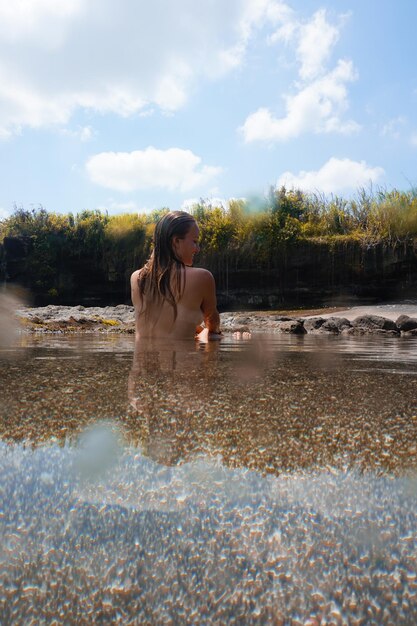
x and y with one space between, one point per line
127 105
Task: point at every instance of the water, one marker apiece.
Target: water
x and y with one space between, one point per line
264 482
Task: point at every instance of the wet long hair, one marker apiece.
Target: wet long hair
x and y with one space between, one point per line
155 278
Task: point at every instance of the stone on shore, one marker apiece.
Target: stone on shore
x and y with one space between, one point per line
331 325
409 333
406 323
121 319
373 324
295 327
58 319
335 325
313 324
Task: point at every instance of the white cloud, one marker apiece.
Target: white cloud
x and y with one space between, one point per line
335 176
83 133
172 169
27 19
393 127
321 96
19 105
316 40
120 57
316 108
313 41
400 128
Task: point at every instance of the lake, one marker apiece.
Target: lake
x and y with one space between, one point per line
269 481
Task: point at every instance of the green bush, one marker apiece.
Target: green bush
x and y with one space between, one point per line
255 232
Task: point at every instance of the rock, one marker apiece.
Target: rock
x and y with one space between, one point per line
386 333
295 327
406 323
242 319
361 330
374 324
409 333
82 320
352 330
120 318
313 324
334 325
35 319
59 318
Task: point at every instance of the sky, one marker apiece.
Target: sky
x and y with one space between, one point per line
131 105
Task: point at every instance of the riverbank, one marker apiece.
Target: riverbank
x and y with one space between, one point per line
395 320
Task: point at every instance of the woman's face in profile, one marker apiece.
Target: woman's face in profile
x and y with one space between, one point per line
186 248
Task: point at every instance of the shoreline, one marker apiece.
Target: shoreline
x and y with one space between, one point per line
387 319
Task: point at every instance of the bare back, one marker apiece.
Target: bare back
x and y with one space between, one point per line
197 304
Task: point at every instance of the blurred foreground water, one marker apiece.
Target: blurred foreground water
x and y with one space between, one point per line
270 481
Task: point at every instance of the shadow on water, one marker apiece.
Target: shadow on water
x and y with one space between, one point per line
258 482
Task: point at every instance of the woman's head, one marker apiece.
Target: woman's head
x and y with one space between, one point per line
175 242
175 238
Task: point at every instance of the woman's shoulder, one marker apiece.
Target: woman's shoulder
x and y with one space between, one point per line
200 280
134 284
135 274
199 273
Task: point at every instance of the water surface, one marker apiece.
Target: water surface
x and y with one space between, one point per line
260 482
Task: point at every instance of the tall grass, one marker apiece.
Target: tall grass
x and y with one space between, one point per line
243 233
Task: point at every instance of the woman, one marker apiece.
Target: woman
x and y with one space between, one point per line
172 298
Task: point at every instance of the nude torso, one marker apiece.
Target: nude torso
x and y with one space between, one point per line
189 313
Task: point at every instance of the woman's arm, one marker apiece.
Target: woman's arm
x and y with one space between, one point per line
134 288
209 304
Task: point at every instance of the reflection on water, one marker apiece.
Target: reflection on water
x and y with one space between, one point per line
259 482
